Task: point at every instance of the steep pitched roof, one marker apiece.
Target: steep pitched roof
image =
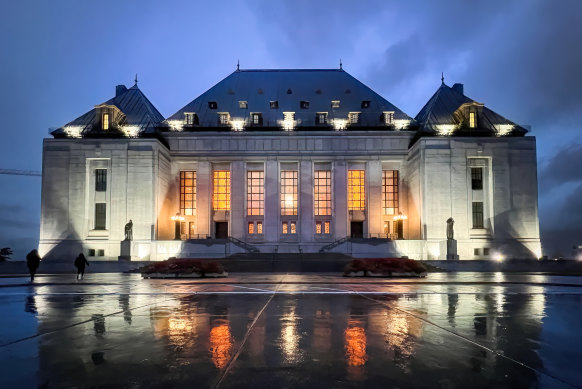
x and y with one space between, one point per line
137 111
288 87
442 109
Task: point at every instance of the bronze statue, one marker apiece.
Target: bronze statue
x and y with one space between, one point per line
129 230
450 231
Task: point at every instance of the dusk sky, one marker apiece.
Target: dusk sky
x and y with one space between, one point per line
522 59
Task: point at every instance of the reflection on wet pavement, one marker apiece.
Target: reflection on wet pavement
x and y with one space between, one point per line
292 331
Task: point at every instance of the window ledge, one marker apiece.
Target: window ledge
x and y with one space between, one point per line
98 234
479 232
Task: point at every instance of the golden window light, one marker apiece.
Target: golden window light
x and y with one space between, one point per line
221 190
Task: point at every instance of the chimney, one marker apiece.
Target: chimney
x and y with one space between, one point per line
119 89
458 88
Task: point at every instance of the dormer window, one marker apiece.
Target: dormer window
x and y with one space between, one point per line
321 118
335 103
243 104
353 117
472 120
274 104
190 118
223 118
304 104
256 119
105 121
388 118
365 104
212 105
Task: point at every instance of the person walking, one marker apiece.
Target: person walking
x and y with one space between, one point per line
80 263
32 261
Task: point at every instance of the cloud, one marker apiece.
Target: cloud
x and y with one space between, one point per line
562 168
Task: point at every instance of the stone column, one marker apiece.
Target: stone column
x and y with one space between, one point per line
237 199
271 226
306 220
203 197
340 203
374 208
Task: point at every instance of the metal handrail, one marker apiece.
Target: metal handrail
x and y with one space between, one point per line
334 244
249 248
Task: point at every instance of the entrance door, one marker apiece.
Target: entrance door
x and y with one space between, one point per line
357 229
221 230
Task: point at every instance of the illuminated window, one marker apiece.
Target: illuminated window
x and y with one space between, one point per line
326 227
356 190
322 192
100 216
386 228
289 192
191 118
285 230
365 104
274 104
476 178
256 119
335 103
251 228
472 120
105 121
318 227
388 117
243 104
187 193
293 226
100 180
255 193
259 227
390 192
477 214
304 104
221 190
321 118
353 117
223 118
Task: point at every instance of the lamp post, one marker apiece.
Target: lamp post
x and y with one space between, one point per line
399 219
177 220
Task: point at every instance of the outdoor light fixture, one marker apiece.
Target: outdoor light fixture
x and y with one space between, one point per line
237 124
177 220
400 217
498 257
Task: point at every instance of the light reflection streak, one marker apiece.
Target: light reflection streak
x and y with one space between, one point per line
355 344
221 343
290 336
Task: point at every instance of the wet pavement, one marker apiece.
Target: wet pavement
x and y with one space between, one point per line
277 330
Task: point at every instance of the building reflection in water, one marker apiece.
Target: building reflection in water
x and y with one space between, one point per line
221 342
355 348
124 306
290 336
322 331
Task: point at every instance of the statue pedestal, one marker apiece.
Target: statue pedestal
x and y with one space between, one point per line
125 251
452 249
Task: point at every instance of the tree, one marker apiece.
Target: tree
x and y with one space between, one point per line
5 253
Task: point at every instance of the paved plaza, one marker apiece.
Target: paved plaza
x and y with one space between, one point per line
291 330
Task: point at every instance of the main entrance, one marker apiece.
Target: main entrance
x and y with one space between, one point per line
357 229
221 230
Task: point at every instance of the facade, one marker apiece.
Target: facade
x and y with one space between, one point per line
278 161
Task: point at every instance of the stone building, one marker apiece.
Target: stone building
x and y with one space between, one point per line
290 161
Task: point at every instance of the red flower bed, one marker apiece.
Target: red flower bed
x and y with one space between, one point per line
385 266
184 266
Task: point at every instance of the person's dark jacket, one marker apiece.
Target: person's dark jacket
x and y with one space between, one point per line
81 261
33 260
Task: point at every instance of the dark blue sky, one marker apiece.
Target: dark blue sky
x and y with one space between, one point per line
521 58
